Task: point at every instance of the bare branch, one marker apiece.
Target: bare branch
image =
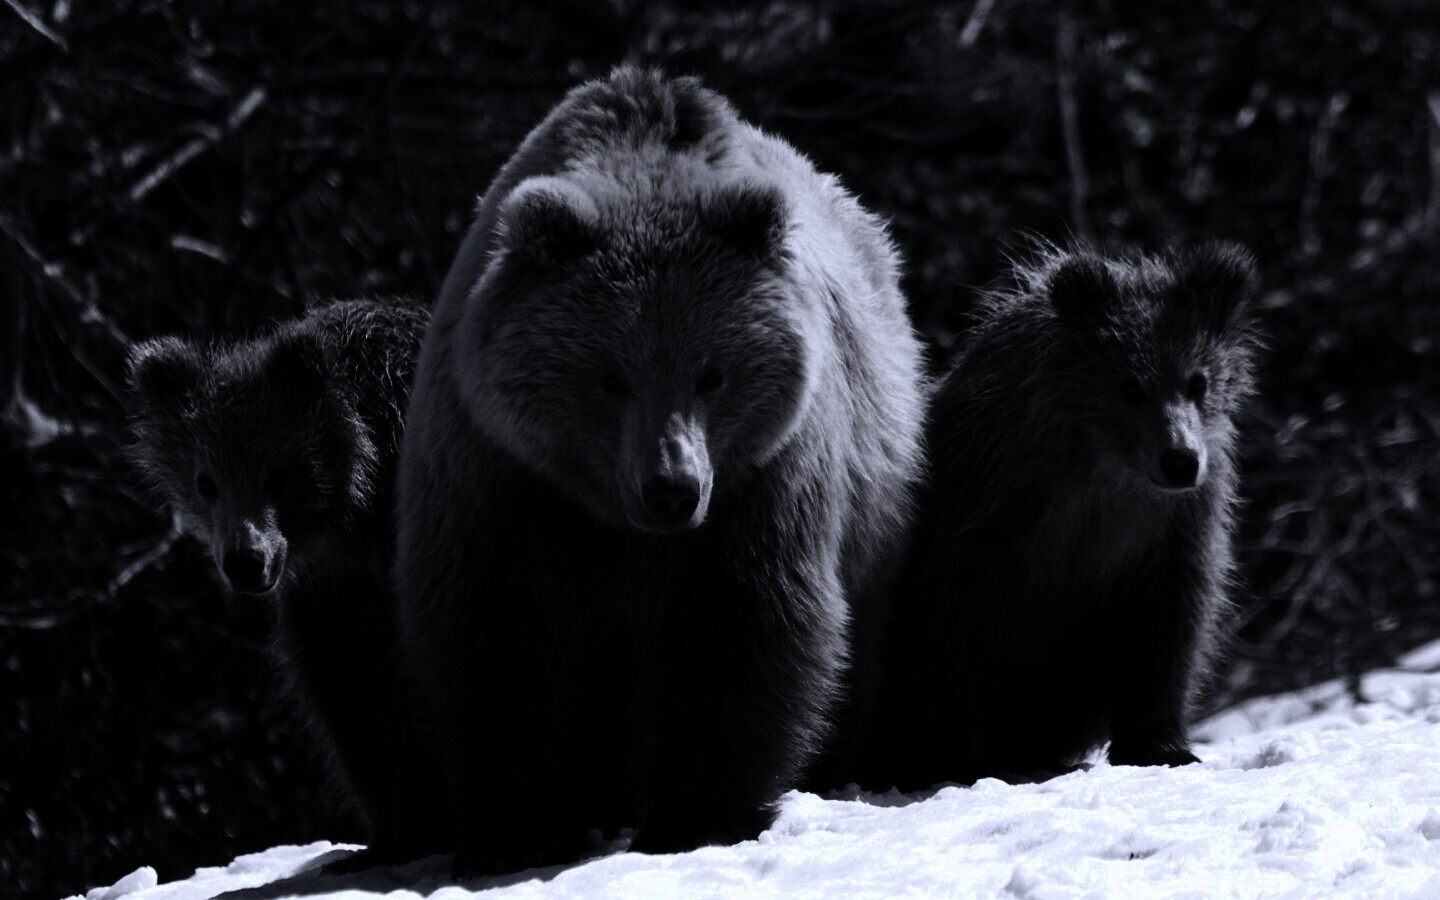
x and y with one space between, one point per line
1065 90
973 25
41 615
198 145
39 25
34 427
1320 166
85 308
1432 208
144 560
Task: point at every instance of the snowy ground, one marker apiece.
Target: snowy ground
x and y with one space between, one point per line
1302 795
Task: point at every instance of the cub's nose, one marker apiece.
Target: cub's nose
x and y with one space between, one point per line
671 501
244 568
1179 468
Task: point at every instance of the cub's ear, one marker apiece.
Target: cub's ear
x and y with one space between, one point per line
162 372
1082 289
752 219
1223 279
297 366
697 112
549 220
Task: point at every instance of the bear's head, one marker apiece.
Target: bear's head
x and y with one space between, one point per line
643 347
252 447
1159 354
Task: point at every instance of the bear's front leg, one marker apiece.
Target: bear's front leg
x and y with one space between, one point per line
506 717
742 668
1160 621
336 641
496 666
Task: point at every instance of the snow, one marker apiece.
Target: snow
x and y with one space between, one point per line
1302 795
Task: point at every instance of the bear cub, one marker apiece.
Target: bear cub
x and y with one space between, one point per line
279 454
656 471
1072 553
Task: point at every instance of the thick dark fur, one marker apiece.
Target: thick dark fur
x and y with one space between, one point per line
279 454
658 454
1066 579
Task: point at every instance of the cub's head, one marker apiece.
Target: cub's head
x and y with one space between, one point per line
251 447
642 346
1160 353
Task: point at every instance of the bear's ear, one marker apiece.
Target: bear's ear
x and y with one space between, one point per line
1223 280
548 220
752 219
162 372
1082 289
297 367
696 116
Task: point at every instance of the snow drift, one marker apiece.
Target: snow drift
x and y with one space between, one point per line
1305 794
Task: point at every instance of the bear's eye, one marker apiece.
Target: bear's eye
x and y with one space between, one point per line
205 486
1132 389
1195 387
710 381
614 384
276 479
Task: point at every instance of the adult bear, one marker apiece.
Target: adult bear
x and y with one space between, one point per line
658 457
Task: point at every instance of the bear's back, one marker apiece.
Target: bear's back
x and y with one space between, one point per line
373 347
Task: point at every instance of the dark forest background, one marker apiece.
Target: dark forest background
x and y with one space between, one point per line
211 167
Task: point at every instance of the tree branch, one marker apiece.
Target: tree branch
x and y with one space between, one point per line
40 615
208 138
1310 241
1066 94
973 25
39 25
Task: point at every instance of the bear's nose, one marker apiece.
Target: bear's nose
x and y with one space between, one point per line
671 501
244 568
1180 468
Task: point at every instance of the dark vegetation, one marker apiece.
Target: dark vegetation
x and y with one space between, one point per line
209 167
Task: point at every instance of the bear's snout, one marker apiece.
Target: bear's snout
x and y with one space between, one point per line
671 500
1180 463
1179 468
253 560
245 570
669 477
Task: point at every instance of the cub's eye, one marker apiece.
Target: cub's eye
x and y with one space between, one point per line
710 381
1195 387
205 486
614 384
1131 389
277 479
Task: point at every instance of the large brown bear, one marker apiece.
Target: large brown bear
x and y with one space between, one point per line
658 458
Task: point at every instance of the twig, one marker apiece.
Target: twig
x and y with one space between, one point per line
144 560
1065 90
973 25
38 621
1432 209
40 27
1319 170
1322 564
198 145
397 71
34 427
85 309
